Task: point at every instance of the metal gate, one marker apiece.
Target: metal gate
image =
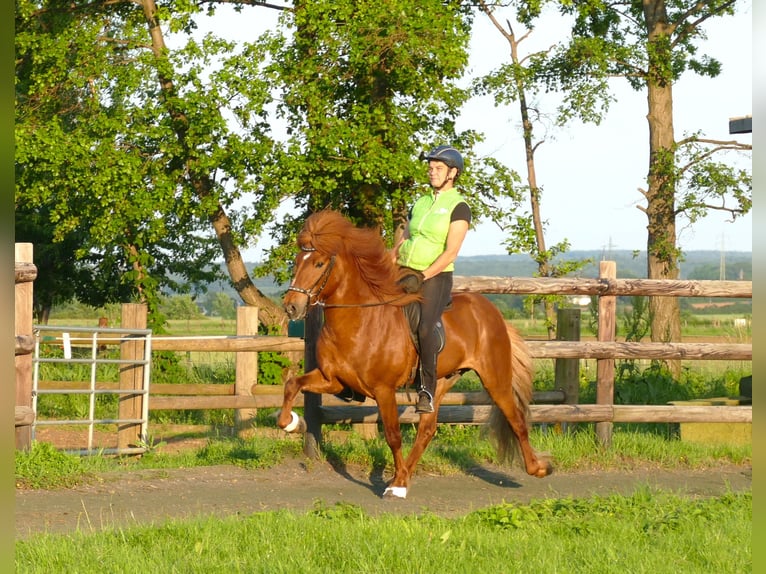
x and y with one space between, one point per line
76 349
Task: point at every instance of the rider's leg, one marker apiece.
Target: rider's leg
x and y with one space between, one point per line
436 294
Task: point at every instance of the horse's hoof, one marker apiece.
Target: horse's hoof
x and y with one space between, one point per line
544 470
294 424
395 492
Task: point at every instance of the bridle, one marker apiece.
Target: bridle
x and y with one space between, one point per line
323 278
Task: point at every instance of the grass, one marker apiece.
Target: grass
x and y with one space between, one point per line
455 449
648 532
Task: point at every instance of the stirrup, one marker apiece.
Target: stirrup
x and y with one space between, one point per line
425 403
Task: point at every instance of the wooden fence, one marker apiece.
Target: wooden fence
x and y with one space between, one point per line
246 395
25 273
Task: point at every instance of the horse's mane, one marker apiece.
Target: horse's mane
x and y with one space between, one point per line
330 233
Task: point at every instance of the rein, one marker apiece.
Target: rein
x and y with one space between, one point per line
324 277
349 306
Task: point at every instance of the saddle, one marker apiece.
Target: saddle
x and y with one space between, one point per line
412 312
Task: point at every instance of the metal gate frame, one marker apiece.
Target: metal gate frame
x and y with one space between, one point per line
94 361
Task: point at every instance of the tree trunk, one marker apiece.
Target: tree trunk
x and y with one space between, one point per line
662 253
269 313
541 255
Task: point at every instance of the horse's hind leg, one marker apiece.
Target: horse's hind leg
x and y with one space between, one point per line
515 416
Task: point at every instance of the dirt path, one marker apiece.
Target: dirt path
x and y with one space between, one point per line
154 496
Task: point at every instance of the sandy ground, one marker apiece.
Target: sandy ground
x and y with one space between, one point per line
131 498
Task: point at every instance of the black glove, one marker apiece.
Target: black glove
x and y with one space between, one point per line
411 281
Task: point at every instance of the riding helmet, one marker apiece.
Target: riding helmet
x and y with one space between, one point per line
448 155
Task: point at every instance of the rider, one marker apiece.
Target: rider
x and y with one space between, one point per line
437 225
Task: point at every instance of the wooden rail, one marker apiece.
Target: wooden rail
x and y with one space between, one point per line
479 414
538 349
196 396
604 286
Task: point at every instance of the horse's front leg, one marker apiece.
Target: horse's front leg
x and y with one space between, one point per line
389 414
313 382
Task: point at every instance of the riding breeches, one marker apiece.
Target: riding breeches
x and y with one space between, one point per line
436 295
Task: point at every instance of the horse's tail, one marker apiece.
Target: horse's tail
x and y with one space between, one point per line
500 432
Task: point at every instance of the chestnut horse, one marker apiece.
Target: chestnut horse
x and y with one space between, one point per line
365 342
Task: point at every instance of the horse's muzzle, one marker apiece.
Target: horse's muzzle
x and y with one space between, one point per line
294 310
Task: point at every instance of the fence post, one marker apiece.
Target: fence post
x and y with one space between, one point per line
567 371
246 367
134 316
312 401
607 324
23 362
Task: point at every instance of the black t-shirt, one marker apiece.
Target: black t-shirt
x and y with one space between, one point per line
461 212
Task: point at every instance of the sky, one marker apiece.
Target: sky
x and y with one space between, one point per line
591 175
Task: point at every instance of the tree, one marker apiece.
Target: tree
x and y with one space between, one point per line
127 146
517 82
58 273
652 44
181 307
364 89
221 305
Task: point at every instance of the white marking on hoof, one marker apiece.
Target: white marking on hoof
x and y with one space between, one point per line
396 491
295 422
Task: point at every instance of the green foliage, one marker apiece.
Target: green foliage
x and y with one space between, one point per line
96 125
180 307
247 453
636 320
366 88
705 181
507 515
221 305
43 466
654 385
271 367
650 508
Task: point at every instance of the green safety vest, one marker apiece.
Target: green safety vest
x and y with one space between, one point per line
429 225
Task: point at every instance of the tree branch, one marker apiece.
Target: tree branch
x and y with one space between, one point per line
645 194
247 3
733 211
728 144
719 145
690 26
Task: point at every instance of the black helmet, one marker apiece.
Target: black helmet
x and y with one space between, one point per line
448 155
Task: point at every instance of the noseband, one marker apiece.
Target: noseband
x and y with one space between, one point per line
323 278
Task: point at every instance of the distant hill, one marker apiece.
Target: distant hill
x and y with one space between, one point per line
698 265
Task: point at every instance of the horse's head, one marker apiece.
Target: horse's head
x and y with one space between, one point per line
310 278
338 260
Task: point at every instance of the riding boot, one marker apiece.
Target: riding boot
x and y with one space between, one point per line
426 393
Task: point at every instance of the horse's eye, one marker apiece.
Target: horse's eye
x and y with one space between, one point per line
319 264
